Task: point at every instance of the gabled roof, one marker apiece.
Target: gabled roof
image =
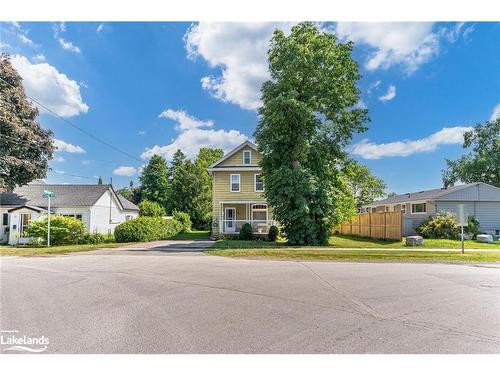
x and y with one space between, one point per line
32 208
65 195
127 205
423 195
234 151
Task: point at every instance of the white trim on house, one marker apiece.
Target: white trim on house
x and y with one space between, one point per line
255 184
249 158
418 213
244 144
231 183
235 169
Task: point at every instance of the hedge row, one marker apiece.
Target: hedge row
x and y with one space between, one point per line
146 228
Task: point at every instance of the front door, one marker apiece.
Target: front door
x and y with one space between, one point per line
229 219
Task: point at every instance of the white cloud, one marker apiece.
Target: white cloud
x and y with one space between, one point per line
68 147
391 94
54 90
59 28
125 171
185 121
496 113
23 38
240 51
373 86
39 57
141 132
86 162
59 159
445 136
68 45
194 135
409 44
100 28
452 34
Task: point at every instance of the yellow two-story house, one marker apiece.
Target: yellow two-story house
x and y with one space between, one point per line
238 192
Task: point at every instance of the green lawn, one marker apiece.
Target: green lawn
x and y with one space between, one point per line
326 253
27 251
193 235
351 242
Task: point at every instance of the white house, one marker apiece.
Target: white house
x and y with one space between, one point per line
98 206
480 200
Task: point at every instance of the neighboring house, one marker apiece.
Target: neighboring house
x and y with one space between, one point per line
481 201
98 206
238 192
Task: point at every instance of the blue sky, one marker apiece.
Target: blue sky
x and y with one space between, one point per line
154 87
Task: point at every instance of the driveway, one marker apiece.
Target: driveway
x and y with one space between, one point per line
169 299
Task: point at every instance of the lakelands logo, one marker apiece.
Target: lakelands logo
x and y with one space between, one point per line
13 341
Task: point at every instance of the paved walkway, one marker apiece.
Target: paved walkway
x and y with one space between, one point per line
159 247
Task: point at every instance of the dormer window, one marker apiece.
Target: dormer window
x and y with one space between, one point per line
247 157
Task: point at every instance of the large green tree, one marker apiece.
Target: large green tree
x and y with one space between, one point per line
482 163
25 147
203 200
191 185
308 116
364 186
154 181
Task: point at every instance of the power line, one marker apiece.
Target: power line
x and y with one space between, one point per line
79 128
73 175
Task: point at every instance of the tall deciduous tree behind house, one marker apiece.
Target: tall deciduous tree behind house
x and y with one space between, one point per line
364 186
482 164
154 181
25 147
191 186
307 118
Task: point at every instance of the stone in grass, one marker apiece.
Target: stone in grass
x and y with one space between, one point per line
414 241
488 238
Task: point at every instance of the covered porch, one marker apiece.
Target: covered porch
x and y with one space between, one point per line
234 214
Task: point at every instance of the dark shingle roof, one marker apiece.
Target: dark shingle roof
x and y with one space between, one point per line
419 195
65 195
127 205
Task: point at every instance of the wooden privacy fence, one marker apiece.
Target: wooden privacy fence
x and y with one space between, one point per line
384 225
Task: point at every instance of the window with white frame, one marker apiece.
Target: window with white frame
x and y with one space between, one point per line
235 183
76 216
5 219
128 217
403 208
259 212
418 208
259 184
25 221
247 157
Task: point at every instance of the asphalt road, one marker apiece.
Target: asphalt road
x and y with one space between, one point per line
173 299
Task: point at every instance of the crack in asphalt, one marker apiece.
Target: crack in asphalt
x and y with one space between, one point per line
365 309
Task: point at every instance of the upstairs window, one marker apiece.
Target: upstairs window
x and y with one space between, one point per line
235 183
418 208
259 184
5 219
247 157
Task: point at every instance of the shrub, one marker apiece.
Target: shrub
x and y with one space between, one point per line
246 232
63 230
184 219
93 238
472 228
443 225
146 228
273 233
148 208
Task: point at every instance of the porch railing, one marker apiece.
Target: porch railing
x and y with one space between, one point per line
234 226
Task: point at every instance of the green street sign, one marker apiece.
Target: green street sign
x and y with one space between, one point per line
47 194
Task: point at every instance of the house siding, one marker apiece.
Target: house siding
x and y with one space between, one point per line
237 158
222 193
103 220
487 213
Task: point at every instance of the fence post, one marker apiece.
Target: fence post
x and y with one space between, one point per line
385 225
370 222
